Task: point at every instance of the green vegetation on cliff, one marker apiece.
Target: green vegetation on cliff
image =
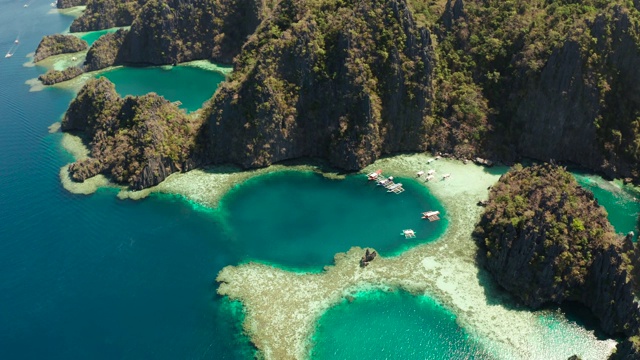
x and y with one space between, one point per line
136 140
63 4
345 81
174 31
105 51
105 14
546 240
547 79
58 44
503 79
56 76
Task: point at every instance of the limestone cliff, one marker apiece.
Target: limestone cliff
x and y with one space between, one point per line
104 14
63 4
344 81
174 31
58 44
105 51
558 78
546 240
138 141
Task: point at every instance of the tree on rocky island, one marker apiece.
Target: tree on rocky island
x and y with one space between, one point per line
545 240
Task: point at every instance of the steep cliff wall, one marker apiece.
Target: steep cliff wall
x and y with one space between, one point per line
345 81
104 14
558 78
138 141
174 31
105 51
546 240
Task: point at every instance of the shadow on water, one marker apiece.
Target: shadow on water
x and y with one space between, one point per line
578 313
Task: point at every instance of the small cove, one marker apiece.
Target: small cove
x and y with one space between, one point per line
190 85
621 204
301 220
91 36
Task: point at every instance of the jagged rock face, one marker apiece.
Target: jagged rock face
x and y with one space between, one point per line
583 108
346 82
95 104
105 51
546 240
58 44
556 115
105 14
136 140
174 31
63 4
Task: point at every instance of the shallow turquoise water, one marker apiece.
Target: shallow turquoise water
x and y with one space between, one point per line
622 205
304 218
91 36
392 325
188 84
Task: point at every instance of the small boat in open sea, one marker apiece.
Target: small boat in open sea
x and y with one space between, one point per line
8 55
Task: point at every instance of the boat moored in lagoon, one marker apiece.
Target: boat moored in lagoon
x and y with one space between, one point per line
374 175
408 233
431 215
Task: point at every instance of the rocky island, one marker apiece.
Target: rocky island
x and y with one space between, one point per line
546 240
58 44
136 140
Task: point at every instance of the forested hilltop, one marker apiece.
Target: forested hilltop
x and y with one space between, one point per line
546 240
350 81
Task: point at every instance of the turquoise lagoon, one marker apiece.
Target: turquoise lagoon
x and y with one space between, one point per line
392 325
190 85
621 203
313 217
101 278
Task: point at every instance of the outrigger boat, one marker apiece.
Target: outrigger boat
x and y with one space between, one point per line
408 234
394 187
431 215
374 175
386 181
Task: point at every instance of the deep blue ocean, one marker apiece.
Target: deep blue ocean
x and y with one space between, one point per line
95 277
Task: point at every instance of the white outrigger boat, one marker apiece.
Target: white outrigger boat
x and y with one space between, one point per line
374 175
385 182
395 188
408 234
431 215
